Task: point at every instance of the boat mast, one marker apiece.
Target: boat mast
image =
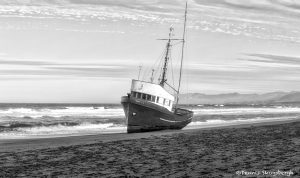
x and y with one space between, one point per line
140 68
182 53
164 73
152 76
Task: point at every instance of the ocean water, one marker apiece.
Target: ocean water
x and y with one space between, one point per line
55 120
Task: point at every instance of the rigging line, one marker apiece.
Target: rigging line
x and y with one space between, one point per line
172 70
158 60
148 69
171 86
157 73
161 58
160 64
175 44
145 74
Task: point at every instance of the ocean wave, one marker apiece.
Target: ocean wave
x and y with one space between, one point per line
14 123
228 117
219 122
61 112
117 111
62 130
249 110
66 120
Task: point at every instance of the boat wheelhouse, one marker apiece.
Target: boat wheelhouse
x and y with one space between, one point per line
152 93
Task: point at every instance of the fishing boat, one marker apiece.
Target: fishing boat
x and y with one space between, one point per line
150 106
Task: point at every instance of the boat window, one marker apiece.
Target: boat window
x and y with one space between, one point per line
139 95
133 94
161 101
143 96
149 97
157 99
153 99
165 101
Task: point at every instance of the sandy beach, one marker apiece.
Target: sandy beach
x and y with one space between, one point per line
257 150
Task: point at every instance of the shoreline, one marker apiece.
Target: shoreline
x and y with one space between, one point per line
53 142
229 151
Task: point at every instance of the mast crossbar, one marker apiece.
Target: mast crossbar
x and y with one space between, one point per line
169 39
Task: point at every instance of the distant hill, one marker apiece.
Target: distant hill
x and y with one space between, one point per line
236 98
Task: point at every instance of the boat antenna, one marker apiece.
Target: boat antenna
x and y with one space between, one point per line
182 53
164 72
140 68
152 77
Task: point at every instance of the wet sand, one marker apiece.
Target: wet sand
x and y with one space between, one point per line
213 152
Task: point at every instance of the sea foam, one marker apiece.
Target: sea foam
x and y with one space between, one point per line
39 120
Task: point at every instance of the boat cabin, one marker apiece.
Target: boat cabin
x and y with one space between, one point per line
152 92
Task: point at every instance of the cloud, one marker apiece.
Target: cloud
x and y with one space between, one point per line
66 72
250 69
86 10
261 74
36 69
234 67
29 63
278 60
262 6
100 64
263 19
90 31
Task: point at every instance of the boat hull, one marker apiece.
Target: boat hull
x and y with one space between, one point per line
144 116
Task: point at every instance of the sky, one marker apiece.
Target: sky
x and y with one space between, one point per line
87 51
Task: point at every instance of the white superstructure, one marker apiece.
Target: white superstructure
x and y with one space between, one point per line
152 92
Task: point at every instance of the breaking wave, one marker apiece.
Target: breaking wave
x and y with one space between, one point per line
59 120
246 110
60 112
62 130
42 120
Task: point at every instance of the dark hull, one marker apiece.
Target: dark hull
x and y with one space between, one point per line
144 116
